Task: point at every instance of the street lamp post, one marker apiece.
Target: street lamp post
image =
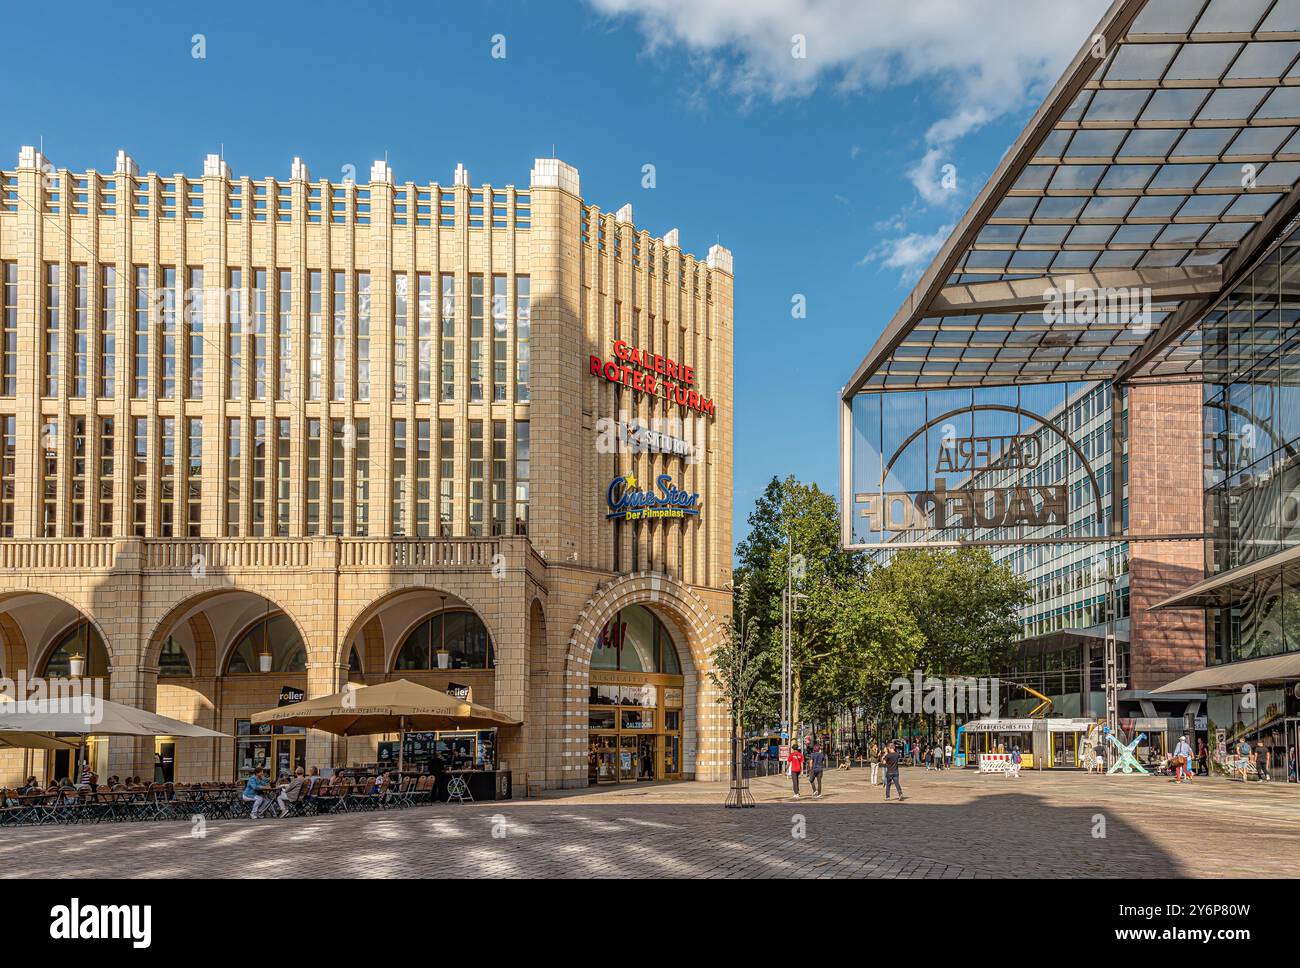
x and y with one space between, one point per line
1111 662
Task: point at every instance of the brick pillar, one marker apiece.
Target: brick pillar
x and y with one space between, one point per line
1166 495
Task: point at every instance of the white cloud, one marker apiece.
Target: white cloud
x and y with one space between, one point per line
987 56
908 254
981 60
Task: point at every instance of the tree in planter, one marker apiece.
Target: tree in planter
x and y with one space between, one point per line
738 674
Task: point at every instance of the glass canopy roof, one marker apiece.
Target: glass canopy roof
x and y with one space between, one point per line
1164 160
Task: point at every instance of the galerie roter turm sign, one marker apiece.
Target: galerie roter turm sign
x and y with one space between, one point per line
654 374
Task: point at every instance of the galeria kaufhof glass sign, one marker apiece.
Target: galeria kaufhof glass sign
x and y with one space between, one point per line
988 464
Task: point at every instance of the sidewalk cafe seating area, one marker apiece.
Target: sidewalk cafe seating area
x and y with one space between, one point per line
214 801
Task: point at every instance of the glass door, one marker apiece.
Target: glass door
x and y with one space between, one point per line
647 758
290 753
629 762
602 759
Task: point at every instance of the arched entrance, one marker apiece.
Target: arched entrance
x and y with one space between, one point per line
635 700
438 640
45 637
670 612
214 660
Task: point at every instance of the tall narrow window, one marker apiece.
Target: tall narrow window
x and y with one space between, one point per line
400 482
167 333
80 481
139 474
140 335
235 335
234 473
106 455
500 336
400 307
80 330
50 477
284 336
194 477
361 509
259 334
313 476
107 331
167 477
446 476
52 306
424 337
448 336
315 337
9 335
338 336
257 499
194 334
476 478
499 478
283 476
421 479
523 327
475 339
338 452
8 469
522 474
363 336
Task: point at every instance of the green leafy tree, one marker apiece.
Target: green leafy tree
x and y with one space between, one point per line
739 674
965 604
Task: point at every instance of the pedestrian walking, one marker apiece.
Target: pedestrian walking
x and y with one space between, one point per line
795 765
892 758
873 756
947 755
1013 767
1202 758
1182 760
1099 757
816 766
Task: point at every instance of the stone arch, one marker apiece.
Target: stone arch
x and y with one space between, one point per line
696 630
172 617
389 654
37 652
13 645
538 685
690 613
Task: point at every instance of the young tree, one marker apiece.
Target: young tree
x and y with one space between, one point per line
737 673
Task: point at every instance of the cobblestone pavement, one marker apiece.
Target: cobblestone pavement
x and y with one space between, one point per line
956 824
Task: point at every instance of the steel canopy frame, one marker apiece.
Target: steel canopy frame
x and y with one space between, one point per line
1208 90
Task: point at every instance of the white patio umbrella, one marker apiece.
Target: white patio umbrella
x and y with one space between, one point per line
87 716
34 741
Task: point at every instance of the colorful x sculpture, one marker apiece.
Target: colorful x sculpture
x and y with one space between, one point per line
1127 761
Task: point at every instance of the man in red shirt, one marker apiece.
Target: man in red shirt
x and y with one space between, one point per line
796 767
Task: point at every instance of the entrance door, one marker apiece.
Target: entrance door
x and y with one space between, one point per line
164 759
647 758
672 756
1063 749
289 753
1292 734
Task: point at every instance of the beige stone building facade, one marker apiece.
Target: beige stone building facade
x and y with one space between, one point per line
467 435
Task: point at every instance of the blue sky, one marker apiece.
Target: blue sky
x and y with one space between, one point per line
823 174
